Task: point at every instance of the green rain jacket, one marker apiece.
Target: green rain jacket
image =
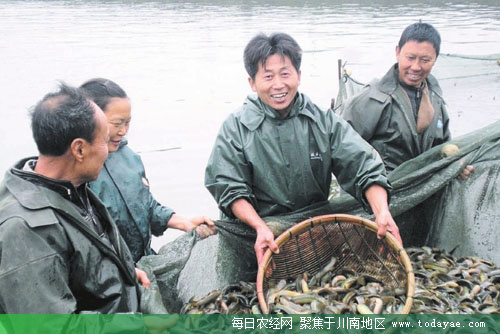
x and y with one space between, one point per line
282 165
124 189
383 116
52 261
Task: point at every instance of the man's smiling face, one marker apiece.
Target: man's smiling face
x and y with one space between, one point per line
276 82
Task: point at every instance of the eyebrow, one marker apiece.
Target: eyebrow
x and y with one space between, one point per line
121 119
286 67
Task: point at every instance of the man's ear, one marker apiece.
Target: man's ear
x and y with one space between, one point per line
252 84
78 148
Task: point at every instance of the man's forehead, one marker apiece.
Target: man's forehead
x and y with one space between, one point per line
418 45
285 61
100 117
94 106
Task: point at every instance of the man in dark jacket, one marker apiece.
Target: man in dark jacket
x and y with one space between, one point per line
277 153
59 250
404 114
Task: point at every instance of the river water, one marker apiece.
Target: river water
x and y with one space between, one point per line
181 65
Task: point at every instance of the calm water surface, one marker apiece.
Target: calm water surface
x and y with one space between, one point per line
181 64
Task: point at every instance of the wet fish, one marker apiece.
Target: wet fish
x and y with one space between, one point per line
443 284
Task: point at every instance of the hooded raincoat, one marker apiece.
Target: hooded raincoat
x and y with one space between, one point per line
282 165
124 189
383 116
53 261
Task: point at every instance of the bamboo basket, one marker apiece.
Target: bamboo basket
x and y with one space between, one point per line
308 246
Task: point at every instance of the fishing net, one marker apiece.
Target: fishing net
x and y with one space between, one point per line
348 87
307 247
429 203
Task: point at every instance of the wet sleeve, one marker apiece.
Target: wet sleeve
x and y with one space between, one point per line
34 277
160 216
228 173
356 164
363 113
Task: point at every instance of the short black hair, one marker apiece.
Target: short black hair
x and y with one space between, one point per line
421 32
101 90
262 47
61 117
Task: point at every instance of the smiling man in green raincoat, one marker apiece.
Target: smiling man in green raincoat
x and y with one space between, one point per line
277 153
404 114
60 252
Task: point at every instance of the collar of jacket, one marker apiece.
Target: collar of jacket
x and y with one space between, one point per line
389 83
63 187
123 143
256 111
38 197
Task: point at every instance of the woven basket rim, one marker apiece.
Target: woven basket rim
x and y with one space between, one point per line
356 220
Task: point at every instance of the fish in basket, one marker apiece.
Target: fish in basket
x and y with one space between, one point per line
335 264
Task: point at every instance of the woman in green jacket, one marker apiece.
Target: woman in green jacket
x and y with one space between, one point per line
122 184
